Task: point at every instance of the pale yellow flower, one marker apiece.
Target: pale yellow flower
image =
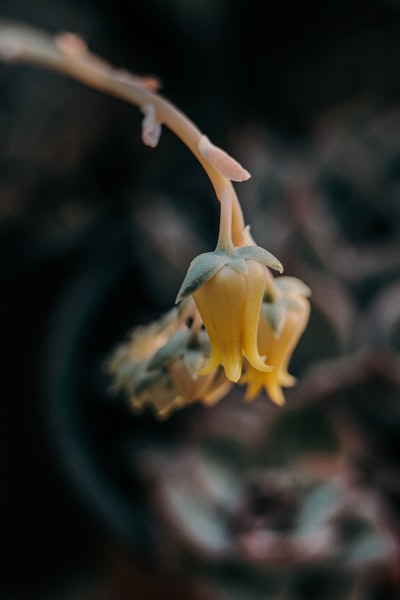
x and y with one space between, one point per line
281 324
229 304
159 366
228 287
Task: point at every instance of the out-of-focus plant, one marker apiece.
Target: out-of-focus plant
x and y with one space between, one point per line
276 511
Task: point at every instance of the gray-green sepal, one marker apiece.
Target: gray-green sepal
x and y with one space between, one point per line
205 266
260 255
202 268
291 286
275 313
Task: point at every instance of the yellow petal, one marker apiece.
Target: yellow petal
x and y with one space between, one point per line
221 302
254 383
278 353
275 392
255 281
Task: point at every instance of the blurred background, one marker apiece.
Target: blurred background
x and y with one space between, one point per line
237 502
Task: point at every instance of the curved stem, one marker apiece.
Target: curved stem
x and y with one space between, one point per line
225 241
26 44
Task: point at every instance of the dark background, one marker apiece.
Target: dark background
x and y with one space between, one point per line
74 178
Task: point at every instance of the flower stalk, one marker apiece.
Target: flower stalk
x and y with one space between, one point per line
68 54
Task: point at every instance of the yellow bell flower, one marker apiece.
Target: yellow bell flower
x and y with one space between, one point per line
228 290
281 324
229 304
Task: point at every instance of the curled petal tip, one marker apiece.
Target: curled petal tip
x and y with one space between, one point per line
233 372
277 396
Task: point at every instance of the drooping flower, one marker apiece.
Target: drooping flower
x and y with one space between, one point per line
282 322
228 289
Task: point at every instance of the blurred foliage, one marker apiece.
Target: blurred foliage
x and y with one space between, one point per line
279 510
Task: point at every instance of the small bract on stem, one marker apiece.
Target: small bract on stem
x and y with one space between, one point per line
234 323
